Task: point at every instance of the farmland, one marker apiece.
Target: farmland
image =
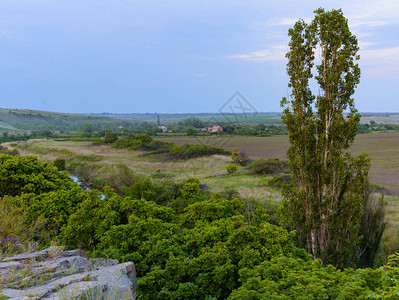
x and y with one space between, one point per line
383 148
100 161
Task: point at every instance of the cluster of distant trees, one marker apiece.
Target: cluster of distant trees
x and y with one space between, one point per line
374 126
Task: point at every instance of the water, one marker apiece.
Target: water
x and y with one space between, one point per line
82 185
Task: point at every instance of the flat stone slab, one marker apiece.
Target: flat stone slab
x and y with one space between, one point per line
10 265
57 273
41 255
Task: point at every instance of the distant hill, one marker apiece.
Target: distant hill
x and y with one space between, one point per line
21 120
25 120
259 117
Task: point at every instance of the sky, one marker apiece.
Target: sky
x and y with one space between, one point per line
175 56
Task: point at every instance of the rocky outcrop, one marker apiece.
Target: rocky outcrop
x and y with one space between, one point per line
57 273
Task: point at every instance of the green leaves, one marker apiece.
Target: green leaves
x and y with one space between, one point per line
324 203
28 175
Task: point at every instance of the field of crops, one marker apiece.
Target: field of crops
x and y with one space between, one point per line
383 148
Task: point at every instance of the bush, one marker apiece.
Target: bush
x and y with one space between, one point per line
240 157
268 166
128 142
191 151
230 193
278 180
13 232
110 137
82 171
4 150
231 169
100 182
28 175
60 164
121 176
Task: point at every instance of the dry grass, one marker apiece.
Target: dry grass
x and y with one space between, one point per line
383 148
210 170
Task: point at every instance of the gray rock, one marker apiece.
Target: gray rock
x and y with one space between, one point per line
39 255
120 279
56 273
87 289
102 262
12 293
10 265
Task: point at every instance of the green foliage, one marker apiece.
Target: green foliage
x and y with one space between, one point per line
60 164
212 248
279 180
121 175
51 210
142 189
230 193
191 151
13 232
82 171
190 130
147 143
28 175
86 130
191 190
110 137
197 253
192 122
36 201
231 169
372 226
128 142
100 182
239 157
4 150
267 166
324 203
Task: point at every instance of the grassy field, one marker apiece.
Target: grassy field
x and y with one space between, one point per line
383 148
101 159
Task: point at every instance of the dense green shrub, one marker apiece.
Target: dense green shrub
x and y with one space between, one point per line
110 137
278 180
191 151
240 157
28 175
210 247
35 201
121 175
60 164
266 166
100 182
229 193
231 169
147 143
128 143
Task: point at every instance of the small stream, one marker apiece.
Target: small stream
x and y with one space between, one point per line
82 184
78 181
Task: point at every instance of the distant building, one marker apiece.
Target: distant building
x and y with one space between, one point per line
163 128
215 129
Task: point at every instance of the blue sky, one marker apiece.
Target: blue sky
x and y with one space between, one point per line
176 56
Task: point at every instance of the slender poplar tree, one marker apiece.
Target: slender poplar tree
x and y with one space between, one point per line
325 202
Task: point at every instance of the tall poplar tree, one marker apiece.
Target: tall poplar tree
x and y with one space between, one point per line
324 204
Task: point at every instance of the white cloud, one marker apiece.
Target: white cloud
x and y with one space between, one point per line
380 61
274 53
284 21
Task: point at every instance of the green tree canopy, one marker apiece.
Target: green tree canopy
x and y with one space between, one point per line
324 204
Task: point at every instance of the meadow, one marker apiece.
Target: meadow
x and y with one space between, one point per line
383 148
100 161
